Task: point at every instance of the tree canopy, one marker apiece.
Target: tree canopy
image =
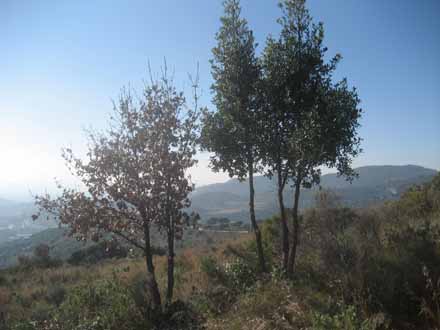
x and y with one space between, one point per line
135 175
231 133
310 121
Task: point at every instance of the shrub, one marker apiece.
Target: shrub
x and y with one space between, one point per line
3 280
41 251
270 234
4 302
374 259
24 261
40 259
430 308
23 325
95 253
55 294
23 300
346 319
179 315
240 275
139 293
106 304
209 266
218 296
41 312
236 275
213 270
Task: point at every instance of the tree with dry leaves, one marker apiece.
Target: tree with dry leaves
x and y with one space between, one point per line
135 176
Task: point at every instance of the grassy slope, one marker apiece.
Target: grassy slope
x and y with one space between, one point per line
24 291
353 267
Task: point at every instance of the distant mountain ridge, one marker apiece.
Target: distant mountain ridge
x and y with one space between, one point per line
374 184
230 199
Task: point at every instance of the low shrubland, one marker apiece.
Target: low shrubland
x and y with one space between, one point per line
375 268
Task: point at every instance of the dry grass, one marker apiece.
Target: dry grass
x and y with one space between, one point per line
23 290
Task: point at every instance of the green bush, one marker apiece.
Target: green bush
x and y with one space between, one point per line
55 294
95 253
236 275
240 275
3 280
346 319
179 315
105 305
139 293
23 325
210 267
26 262
218 296
41 311
374 259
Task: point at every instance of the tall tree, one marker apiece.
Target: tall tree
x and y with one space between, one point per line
279 121
231 132
135 177
311 121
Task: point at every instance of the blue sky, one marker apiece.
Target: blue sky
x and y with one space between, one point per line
61 63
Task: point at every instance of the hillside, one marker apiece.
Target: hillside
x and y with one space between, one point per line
62 246
368 269
374 184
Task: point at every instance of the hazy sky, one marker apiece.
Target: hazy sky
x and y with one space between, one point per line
61 63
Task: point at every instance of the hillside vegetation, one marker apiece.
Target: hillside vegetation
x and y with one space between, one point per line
374 185
371 268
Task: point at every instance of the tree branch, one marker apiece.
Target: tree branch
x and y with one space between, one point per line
128 239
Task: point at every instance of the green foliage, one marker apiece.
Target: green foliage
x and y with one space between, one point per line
346 319
3 280
41 311
309 120
95 253
236 275
270 233
55 294
40 259
23 325
376 268
139 293
240 275
421 201
103 305
271 236
180 315
230 133
226 282
430 307
209 266
378 259
41 251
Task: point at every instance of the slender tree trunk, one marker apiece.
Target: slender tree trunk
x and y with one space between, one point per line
284 226
295 230
255 227
170 269
151 276
2 319
169 214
